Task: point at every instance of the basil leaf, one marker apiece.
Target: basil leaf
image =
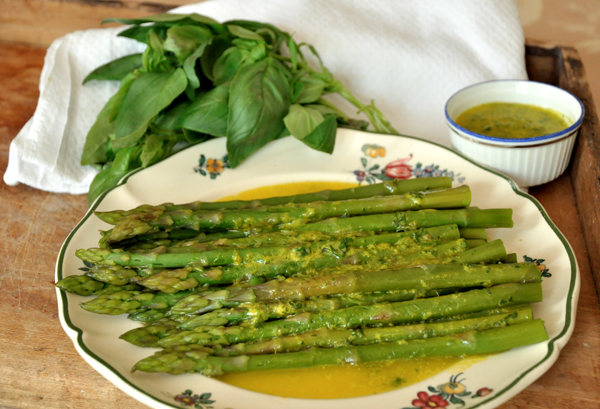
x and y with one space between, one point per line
154 58
293 48
170 18
170 118
140 33
98 184
242 32
308 89
96 147
117 99
212 53
131 139
189 67
152 150
229 63
284 132
194 137
117 69
113 172
272 35
322 138
309 125
352 123
184 40
209 112
259 99
301 120
325 110
149 94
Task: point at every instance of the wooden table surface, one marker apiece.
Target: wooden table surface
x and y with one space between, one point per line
39 366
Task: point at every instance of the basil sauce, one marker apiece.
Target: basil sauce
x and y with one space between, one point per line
511 120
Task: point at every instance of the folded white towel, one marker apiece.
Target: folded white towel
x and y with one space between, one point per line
409 56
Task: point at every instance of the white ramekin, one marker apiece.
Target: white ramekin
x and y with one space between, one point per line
528 161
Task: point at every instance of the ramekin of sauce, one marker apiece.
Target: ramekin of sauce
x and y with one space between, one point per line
524 129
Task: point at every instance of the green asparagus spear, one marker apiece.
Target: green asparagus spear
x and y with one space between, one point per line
163 257
257 313
162 326
151 334
472 243
80 284
116 275
353 317
287 216
325 337
392 187
159 257
279 238
129 302
468 343
420 277
173 237
84 285
491 252
411 238
359 260
473 233
470 217
148 316
404 252
186 303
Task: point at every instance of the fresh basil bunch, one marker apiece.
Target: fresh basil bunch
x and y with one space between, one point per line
199 79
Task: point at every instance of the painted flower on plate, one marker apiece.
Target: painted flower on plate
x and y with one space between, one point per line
424 400
399 169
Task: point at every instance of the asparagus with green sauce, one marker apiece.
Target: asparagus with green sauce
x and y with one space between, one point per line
453 251
326 337
387 188
257 313
172 237
177 257
288 216
358 316
203 301
374 257
468 343
162 326
129 302
469 217
86 286
444 254
419 277
291 237
379 223
397 269
196 303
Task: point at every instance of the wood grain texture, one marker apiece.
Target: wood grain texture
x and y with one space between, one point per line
40 367
585 165
562 66
39 22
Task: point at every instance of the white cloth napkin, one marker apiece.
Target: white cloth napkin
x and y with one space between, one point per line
409 56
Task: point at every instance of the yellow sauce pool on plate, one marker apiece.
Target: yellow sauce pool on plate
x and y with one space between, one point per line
289 189
340 381
510 120
332 382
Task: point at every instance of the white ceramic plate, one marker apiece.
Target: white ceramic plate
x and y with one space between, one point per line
201 173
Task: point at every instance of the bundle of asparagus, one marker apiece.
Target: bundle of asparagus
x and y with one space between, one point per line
394 270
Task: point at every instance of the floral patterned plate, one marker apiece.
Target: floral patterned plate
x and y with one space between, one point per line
202 173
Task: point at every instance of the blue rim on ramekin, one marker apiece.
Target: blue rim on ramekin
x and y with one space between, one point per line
536 140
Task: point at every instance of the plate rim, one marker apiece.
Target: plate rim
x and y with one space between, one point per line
554 345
